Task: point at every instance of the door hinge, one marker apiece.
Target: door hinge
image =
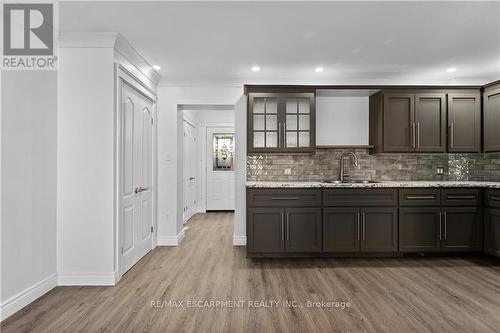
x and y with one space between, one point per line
122 249
152 229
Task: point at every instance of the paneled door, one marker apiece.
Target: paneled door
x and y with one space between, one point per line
136 207
399 129
220 168
430 123
189 171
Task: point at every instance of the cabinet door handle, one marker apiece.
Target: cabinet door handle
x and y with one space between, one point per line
440 225
420 197
284 198
357 222
452 135
445 222
493 198
413 131
282 226
364 225
280 139
418 135
287 226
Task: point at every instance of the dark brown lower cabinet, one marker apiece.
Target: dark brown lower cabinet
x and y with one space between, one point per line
419 229
461 229
379 229
303 230
266 230
372 229
432 229
280 230
492 231
341 230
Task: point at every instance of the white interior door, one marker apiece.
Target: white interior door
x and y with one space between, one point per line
136 207
220 168
189 171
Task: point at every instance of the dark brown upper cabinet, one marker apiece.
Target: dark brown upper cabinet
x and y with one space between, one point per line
399 117
491 118
464 122
406 122
430 123
281 122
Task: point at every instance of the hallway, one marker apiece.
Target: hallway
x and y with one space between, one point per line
391 295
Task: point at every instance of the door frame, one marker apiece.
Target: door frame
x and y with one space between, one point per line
122 75
204 164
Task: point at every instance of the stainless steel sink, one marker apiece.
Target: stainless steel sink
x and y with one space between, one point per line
350 181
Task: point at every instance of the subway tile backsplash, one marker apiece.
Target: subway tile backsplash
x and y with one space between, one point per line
324 164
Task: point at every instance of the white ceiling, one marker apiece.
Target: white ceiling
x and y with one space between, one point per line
356 42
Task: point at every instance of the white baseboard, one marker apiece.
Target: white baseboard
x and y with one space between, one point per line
76 279
172 240
239 240
19 301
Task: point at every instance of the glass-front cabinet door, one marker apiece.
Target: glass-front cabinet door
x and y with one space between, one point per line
265 122
281 122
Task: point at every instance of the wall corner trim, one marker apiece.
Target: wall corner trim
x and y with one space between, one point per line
85 279
239 240
27 296
172 240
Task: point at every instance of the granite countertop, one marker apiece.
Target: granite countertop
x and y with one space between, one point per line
392 183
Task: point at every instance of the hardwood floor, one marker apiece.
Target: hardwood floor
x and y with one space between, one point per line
386 295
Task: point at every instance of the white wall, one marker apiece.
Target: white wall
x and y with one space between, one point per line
86 166
170 187
28 178
342 120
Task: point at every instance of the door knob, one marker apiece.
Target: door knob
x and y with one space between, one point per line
140 189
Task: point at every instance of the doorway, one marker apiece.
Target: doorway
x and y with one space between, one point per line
220 168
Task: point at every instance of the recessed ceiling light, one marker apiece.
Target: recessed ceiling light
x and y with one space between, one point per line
451 70
255 68
156 67
319 69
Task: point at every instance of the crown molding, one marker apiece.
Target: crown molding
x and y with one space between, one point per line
124 53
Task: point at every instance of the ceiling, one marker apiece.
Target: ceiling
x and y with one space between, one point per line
355 42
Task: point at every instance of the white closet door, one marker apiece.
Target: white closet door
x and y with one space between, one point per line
136 218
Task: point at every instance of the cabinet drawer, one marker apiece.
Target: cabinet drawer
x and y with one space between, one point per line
492 198
419 197
346 197
274 197
461 197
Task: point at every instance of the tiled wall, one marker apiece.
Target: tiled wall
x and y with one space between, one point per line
324 164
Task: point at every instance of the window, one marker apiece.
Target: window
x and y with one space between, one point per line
223 152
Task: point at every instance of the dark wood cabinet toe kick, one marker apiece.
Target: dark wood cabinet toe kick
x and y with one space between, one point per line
371 222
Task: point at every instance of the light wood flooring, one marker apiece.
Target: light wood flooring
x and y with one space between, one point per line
386 295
